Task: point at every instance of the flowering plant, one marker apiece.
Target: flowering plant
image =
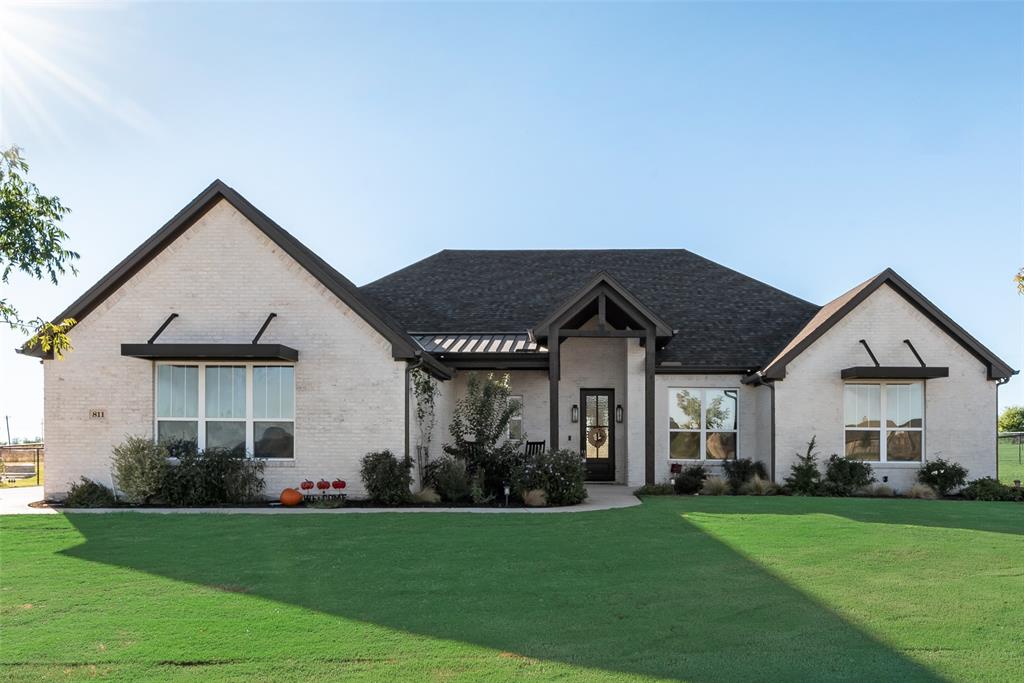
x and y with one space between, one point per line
942 475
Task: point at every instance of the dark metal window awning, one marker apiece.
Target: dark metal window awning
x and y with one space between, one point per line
254 351
877 371
894 372
210 351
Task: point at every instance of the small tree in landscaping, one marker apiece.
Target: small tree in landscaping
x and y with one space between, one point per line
479 428
805 477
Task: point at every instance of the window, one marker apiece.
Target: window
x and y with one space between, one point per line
884 422
273 409
702 424
177 402
515 425
225 407
243 407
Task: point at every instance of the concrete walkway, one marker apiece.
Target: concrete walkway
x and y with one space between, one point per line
599 497
15 501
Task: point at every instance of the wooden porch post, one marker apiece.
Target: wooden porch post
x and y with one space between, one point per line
649 358
554 372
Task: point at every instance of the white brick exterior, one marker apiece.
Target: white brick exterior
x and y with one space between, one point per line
960 411
224 276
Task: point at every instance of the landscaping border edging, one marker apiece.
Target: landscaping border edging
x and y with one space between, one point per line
599 497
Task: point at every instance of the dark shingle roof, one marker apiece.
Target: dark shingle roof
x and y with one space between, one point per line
723 318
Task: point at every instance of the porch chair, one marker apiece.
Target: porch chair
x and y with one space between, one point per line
535 447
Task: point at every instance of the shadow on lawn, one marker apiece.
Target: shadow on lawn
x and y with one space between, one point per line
640 591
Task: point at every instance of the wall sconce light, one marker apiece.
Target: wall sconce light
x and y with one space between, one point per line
575 413
618 413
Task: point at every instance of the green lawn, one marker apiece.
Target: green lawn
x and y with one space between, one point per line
700 589
1010 462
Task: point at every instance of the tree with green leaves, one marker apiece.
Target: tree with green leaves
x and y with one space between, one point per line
1012 419
32 241
479 429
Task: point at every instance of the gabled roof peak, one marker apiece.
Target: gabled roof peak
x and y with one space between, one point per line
403 346
835 310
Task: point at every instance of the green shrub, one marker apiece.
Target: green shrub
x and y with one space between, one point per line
715 486
756 486
805 478
216 476
180 448
922 491
942 475
139 466
89 494
988 488
559 473
844 477
738 472
654 490
690 479
448 477
386 477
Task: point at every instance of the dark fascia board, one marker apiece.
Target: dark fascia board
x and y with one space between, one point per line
662 328
436 368
496 361
700 370
210 351
402 345
894 372
997 368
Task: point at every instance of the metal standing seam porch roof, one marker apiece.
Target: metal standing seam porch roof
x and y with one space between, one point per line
475 342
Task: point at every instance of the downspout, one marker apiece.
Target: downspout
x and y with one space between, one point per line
999 382
758 379
771 388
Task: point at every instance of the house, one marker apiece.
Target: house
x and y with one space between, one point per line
222 327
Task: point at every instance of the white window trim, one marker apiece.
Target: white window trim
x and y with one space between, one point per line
883 445
249 420
519 417
703 431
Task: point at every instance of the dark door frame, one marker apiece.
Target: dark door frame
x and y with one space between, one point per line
564 323
610 464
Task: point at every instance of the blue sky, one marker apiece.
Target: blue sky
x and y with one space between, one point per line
807 145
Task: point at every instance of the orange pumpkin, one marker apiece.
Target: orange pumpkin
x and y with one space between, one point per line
290 498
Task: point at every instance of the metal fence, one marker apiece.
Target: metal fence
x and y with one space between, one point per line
21 462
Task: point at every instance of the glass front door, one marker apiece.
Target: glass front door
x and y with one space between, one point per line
597 433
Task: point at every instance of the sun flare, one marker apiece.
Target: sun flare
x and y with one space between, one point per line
43 60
